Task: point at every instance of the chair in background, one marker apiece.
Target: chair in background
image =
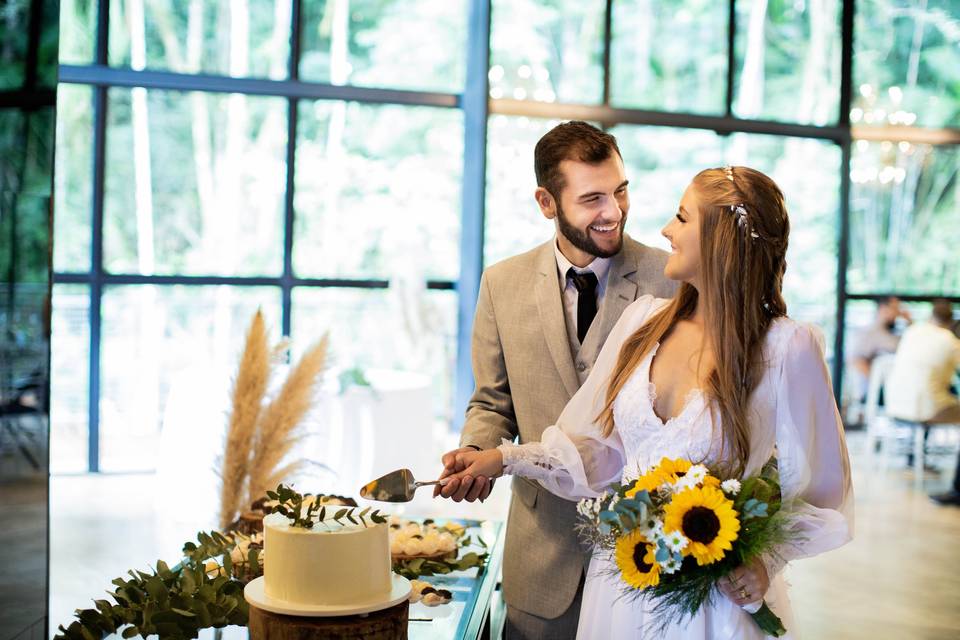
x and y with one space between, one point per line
881 430
890 435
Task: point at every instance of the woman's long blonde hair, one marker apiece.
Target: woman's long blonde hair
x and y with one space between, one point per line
743 246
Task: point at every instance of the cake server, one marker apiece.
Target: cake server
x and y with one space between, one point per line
396 486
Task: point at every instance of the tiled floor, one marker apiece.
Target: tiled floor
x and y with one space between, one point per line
899 579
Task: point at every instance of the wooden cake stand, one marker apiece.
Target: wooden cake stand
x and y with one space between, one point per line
386 624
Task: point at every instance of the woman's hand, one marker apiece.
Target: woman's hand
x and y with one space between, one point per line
471 468
745 584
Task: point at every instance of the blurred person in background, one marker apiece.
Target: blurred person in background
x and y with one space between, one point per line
878 338
918 388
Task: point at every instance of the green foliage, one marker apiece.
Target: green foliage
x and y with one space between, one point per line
414 568
174 603
291 505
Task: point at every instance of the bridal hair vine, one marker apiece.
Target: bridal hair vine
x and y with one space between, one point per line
740 211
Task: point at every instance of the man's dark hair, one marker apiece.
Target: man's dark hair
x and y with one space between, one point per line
574 140
943 312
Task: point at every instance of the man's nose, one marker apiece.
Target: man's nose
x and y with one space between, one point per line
613 212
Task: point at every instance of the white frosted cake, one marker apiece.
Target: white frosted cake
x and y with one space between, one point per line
334 563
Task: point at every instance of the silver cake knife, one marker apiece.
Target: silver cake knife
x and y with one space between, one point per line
396 486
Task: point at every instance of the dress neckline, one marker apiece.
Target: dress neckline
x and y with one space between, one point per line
688 402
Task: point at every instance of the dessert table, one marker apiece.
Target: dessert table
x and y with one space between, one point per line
476 611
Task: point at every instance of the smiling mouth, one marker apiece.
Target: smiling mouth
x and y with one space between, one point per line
605 228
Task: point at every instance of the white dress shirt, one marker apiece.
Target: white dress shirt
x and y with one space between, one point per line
570 295
919 382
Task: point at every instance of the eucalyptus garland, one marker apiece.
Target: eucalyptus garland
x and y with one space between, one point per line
205 590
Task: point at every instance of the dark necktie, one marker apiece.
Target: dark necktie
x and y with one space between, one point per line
586 284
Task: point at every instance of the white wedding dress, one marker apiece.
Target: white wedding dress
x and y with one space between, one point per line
792 415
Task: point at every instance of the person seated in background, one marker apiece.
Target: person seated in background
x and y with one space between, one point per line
874 340
918 388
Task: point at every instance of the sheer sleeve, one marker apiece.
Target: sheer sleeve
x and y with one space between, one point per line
812 454
573 460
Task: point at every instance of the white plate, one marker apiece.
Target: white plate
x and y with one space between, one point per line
255 595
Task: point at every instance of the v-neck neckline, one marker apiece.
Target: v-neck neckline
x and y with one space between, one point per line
693 394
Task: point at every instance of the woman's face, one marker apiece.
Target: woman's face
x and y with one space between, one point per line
683 232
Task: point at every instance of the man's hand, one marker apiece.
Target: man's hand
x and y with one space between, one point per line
464 480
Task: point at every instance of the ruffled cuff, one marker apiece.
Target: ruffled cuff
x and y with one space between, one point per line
774 563
529 460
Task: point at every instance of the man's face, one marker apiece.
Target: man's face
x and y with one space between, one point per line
591 211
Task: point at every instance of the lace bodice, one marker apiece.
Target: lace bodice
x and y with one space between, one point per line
646 438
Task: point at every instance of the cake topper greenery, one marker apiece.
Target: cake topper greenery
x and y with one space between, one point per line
260 433
291 504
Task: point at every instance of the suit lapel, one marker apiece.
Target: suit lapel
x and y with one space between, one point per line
550 308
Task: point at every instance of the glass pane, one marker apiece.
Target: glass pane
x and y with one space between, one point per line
73 179
788 61
239 39
513 222
903 196
660 163
78 31
547 50
195 183
372 43
808 173
69 379
374 186
406 328
13 44
168 356
669 56
905 63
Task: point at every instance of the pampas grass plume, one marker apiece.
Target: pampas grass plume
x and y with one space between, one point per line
278 429
248 390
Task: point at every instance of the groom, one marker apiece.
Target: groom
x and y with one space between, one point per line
541 319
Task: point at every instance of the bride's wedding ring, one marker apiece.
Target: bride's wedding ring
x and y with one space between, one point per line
743 593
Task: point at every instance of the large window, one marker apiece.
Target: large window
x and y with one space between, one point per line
348 166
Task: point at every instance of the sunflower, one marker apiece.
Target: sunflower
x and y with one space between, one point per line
673 470
707 518
636 557
649 481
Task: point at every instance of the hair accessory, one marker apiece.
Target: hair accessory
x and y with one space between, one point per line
728 170
740 211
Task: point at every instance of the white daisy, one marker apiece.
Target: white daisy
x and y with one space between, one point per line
652 528
670 566
697 472
731 486
676 541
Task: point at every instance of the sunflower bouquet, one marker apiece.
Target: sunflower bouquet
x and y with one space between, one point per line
675 530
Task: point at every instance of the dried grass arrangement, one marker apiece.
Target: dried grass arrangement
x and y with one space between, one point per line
261 433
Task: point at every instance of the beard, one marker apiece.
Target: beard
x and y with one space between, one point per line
581 238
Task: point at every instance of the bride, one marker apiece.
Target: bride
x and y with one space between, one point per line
717 374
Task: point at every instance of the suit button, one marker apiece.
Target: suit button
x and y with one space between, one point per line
581 366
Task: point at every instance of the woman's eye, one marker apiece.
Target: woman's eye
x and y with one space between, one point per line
680 218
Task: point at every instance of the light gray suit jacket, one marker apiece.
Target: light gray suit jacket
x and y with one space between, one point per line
525 374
